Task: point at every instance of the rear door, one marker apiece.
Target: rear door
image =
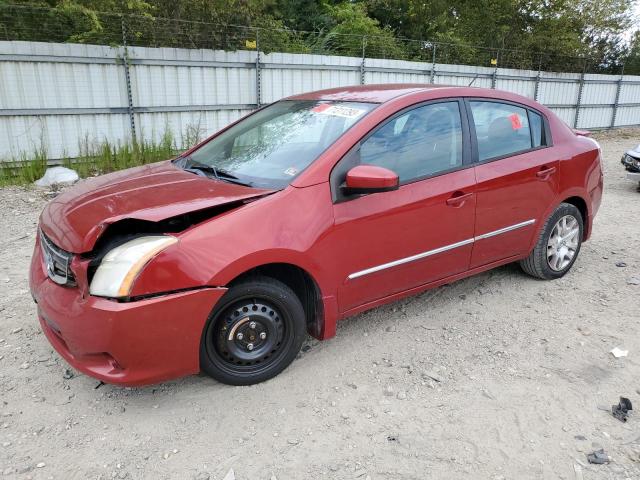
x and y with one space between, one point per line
516 174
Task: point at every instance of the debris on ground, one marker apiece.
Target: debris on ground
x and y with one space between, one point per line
57 176
635 280
578 471
68 374
621 264
432 376
230 475
598 457
621 410
618 352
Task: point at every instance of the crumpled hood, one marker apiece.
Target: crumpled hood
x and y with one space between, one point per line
75 219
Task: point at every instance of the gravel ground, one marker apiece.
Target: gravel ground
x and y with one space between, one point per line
499 376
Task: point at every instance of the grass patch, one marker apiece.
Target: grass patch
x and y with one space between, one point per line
95 158
25 169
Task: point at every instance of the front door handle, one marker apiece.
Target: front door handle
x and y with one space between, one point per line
546 172
458 199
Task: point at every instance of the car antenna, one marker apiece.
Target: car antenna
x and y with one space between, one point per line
474 79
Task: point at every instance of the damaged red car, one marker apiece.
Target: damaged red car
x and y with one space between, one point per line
305 212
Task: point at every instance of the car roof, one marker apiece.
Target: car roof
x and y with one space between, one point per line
368 93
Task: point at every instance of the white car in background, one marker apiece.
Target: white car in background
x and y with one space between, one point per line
631 161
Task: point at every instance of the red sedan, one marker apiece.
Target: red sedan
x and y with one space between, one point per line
305 212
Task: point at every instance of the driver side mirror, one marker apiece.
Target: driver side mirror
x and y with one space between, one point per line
364 179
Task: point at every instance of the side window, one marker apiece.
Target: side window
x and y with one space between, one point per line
421 142
501 129
537 130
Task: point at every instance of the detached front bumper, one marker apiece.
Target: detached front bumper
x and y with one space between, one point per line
126 343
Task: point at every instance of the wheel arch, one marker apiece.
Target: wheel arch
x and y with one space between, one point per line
303 285
581 205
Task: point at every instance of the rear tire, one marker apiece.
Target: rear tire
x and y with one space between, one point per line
558 245
254 333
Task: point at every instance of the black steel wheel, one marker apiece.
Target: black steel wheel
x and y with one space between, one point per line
254 333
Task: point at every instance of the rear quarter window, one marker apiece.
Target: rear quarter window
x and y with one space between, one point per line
537 129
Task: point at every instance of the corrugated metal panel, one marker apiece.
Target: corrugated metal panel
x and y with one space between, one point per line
566 114
167 85
279 83
554 89
628 116
185 126
630 92
595 117
60 135
602 92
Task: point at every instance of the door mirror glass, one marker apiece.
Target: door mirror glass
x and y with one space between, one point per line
364 179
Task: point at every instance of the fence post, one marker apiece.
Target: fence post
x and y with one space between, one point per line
617 100
536 91
494 77
127 76
258 79
579 101
433 64
362 66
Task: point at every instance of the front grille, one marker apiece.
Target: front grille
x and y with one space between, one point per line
57 261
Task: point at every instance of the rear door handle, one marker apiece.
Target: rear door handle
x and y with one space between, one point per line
546 172
458 198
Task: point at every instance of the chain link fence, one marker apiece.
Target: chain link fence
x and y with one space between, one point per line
42 24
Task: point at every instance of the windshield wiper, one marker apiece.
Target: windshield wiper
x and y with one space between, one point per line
192 166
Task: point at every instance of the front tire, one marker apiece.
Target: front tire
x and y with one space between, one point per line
558 244
254 333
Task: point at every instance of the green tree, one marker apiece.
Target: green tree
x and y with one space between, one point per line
352 30
632 58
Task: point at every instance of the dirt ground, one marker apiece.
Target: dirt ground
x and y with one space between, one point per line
499 376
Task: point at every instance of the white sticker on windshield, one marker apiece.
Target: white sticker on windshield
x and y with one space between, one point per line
338 110
291 171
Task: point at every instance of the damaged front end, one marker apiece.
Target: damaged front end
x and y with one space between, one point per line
100 235
114 264
118 294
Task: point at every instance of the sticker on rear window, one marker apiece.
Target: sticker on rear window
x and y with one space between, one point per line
338 110
291 171
516 124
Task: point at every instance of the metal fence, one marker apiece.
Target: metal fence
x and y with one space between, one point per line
61 96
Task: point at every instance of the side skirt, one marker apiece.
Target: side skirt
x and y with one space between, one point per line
427 286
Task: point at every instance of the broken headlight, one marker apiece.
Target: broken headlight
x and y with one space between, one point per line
631 162
120 267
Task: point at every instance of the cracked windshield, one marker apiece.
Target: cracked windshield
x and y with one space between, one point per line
270 148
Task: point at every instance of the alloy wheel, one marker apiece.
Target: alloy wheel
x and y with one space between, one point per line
563 243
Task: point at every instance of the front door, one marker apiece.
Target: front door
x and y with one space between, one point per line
517 178
393 241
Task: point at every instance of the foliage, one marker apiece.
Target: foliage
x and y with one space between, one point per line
352 30
520 33
95 158
632 60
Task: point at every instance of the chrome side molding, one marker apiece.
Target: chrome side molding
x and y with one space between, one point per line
505 230
436 251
